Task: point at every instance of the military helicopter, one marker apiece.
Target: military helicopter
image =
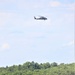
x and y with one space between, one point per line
40 18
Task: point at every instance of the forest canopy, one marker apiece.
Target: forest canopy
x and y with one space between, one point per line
34 68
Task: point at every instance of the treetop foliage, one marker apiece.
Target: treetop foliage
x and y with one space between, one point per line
34 68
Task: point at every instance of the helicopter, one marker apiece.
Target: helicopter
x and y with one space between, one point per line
40 18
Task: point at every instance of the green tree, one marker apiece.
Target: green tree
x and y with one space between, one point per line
54 64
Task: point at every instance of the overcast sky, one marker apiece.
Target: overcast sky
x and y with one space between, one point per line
22 38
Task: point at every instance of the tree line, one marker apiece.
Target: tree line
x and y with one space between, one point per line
34 68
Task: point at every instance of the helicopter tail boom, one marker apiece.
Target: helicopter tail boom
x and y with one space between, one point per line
34 17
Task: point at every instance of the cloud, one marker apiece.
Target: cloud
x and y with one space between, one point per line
55 4
29 5
71 43
4 18
70 6
5 46
20 4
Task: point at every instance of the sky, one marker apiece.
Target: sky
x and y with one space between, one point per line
22 38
